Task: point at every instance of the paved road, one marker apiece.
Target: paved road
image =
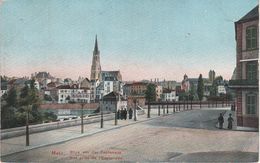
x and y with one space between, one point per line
186 136
199 119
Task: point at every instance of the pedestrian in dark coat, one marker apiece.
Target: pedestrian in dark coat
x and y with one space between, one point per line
220 121
230 120
121 114
130 113
118 114
125 111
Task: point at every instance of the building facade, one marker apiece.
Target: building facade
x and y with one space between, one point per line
112 102
73 93
221 90
246 82
169 95
135 92
159 92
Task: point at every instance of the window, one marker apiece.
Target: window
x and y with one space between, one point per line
251 71
251 38
251 103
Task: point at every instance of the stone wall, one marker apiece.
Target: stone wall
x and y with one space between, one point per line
18 131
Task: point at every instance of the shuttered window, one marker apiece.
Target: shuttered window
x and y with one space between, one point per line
251 38
251 103
251 70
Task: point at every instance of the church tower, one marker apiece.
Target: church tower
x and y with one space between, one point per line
96 67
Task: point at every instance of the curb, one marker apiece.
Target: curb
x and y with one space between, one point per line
81 136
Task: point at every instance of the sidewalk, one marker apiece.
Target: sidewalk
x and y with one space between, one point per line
37 140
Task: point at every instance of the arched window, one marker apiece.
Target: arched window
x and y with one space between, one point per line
251 103
251 38
251 70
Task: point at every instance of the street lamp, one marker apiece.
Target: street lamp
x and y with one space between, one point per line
116 108
29 107
135 101
101 112
167 111
82 124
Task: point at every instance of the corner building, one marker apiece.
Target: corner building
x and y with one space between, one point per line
246 82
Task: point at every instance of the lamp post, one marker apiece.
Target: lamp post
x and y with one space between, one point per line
116 109
149 109
135 101
167 107
101 112
82 124
27 125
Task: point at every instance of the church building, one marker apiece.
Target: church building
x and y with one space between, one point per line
103 82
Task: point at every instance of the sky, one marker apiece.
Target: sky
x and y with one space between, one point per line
144 39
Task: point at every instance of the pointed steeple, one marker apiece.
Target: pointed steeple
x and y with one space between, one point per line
96 46
95 67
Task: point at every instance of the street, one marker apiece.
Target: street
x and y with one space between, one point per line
185 136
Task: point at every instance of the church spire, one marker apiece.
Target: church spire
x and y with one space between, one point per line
96 46
95 67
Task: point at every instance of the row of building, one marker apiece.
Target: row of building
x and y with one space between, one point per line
101 83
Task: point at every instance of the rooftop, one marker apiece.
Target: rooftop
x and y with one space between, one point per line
251 15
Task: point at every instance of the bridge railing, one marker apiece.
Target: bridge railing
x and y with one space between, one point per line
18 131
165 107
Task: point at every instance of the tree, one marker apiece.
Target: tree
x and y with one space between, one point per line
192 92
150 95
49 116
14 111
200 88
7 112
214 87
47 97
11 98
29 97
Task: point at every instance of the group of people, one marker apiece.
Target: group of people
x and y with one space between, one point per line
122 114
221 121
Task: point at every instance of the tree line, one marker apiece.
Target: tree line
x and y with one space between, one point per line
17 104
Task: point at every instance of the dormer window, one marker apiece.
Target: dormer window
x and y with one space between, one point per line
251 38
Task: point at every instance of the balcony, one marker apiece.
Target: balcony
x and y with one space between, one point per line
243 83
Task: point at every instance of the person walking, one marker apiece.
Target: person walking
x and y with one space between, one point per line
130 113
220 121
121 114
125 116
118 114
230 121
